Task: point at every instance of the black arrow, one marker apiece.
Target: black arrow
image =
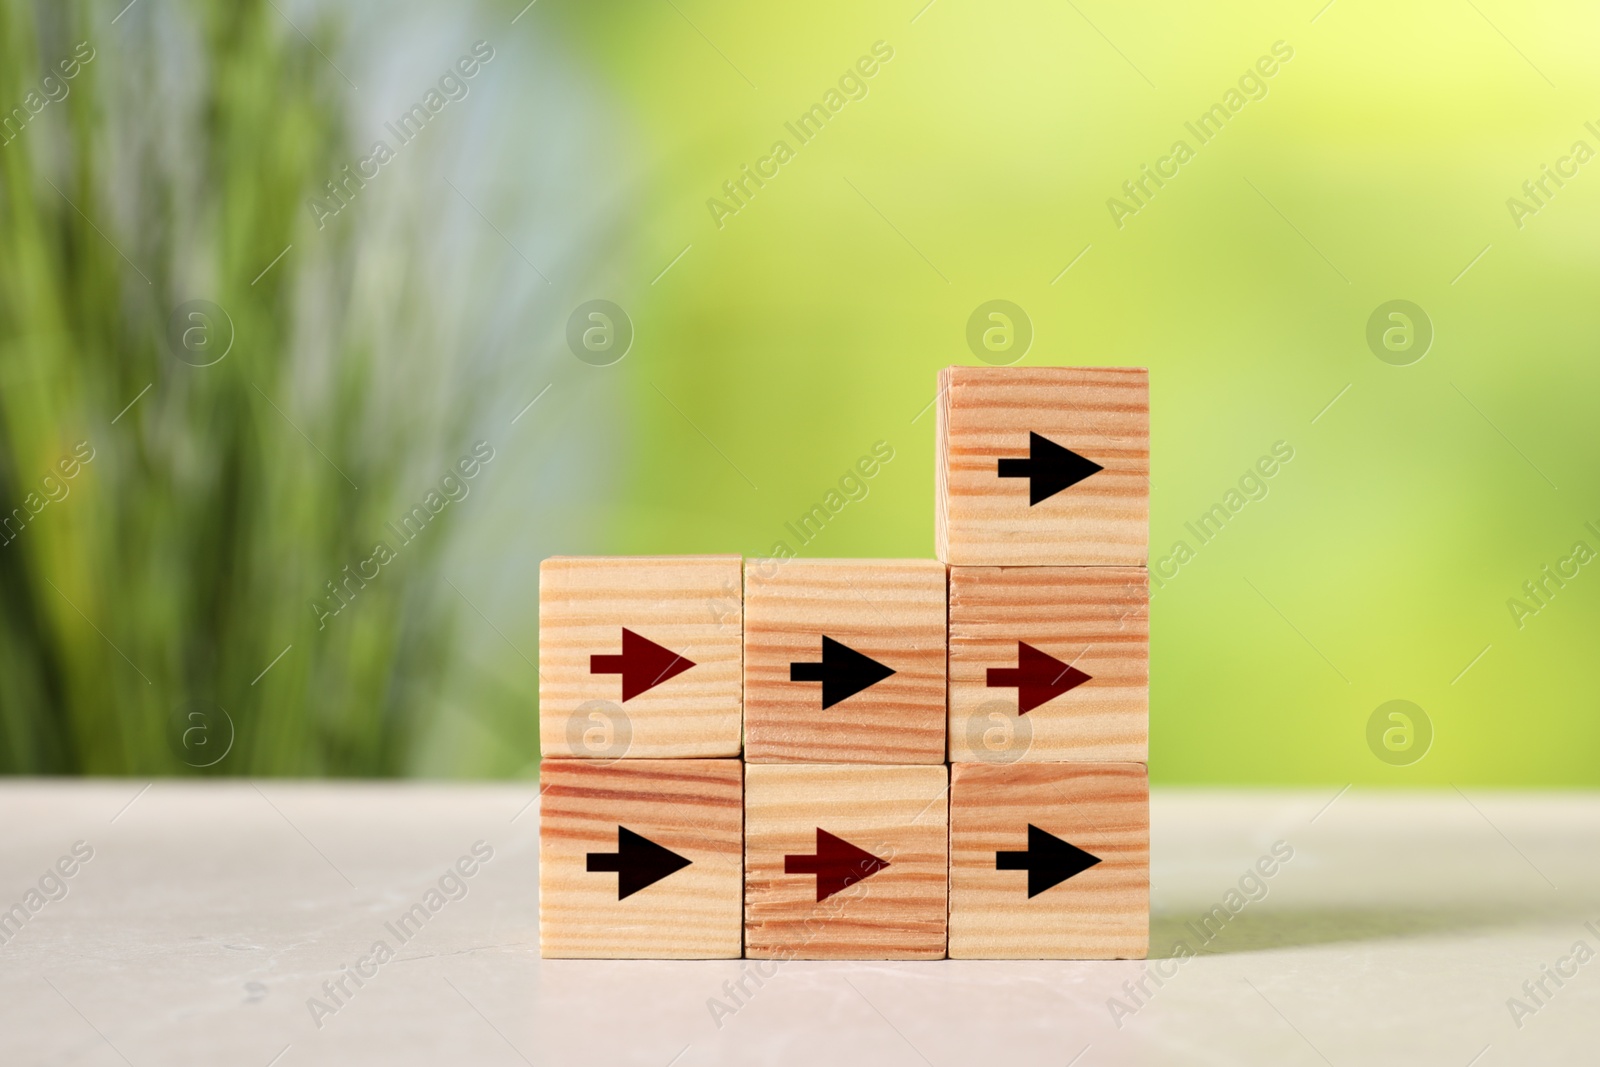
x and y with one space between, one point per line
1049 861
843 672
1049 468
638 861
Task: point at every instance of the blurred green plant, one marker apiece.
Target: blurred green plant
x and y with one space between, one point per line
155 606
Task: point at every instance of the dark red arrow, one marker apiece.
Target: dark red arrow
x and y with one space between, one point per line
837 863
1037 677
1049 468
643 664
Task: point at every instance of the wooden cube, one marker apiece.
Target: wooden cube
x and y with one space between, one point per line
846 862
844 662
1049 664
640 657
1043 466
1049 861
640 859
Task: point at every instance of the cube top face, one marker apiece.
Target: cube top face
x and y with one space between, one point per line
1049 664
845 662
640 859
1049 861
640 657
1043 466
846 862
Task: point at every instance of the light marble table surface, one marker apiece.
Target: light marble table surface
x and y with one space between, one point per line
207 917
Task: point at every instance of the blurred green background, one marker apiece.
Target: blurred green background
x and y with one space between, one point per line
175 586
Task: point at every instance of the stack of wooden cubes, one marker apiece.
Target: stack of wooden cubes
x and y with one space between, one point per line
872 759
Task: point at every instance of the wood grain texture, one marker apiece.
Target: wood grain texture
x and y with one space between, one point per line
1096 619
986 413
693 807
892 610
898 814
1102 913
692 605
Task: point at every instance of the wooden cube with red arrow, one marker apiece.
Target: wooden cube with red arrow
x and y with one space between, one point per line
1049 664
845 862
640 657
